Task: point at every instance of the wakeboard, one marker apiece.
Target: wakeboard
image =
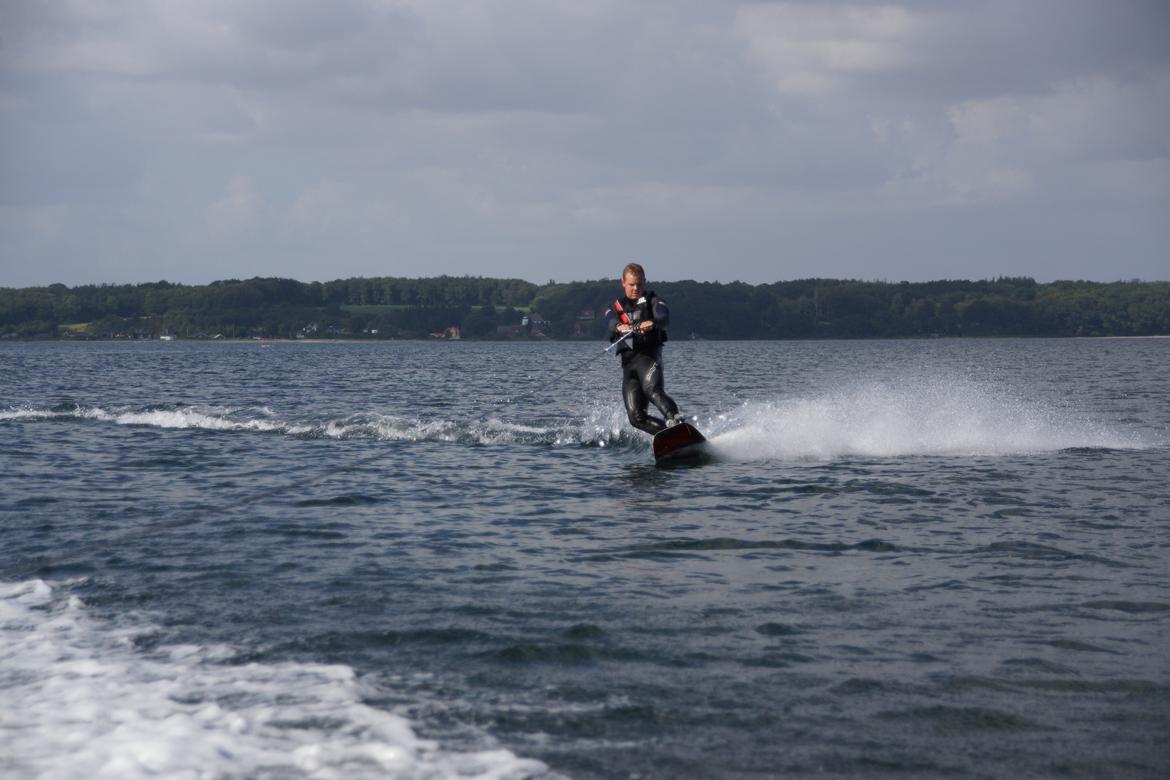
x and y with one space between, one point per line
678 443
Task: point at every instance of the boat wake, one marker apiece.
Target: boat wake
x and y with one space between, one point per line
932 418
79 700
602 426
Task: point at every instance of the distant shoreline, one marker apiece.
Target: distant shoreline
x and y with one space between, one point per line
485 309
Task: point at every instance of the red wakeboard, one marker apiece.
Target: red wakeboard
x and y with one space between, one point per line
678 442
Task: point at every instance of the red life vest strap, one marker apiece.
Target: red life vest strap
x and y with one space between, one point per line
617 306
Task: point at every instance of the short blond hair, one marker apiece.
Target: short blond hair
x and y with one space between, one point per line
635 269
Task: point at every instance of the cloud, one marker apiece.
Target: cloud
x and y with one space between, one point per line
236 212
811 49
1013 144
318 209
42 222
544 137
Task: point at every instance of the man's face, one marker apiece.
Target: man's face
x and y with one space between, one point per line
634 286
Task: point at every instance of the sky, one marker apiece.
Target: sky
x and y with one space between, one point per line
713 140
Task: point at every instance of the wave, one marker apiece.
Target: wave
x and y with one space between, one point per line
601 427
939 417
77 700
168 416
914 416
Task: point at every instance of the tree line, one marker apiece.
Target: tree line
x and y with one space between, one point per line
488 308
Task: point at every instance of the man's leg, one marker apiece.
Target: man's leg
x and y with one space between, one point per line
635 400
653 390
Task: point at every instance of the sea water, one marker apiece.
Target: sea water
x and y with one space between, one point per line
432 560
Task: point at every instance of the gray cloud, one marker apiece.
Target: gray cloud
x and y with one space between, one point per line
759 141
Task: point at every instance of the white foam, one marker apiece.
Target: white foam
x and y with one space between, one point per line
78 701
489 430
213 420
607 423
913 416
389 428
921 417
25 413
365 425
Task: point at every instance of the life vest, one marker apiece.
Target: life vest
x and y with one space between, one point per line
657 336
621 313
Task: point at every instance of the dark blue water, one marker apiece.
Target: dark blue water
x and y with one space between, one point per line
442 560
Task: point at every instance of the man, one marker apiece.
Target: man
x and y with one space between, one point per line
639 319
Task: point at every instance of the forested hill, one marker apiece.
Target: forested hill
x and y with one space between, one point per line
478 307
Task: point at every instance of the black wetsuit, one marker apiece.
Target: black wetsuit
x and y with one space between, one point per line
641 356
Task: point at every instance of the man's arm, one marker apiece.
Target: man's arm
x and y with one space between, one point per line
661 313
612 321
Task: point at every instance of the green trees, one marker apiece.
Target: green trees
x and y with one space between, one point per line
488 308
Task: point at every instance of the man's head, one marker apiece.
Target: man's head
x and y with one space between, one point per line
633 281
